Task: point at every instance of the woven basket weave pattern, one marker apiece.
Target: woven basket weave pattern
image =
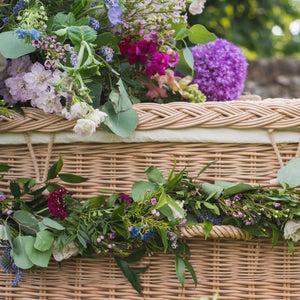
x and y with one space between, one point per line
238 268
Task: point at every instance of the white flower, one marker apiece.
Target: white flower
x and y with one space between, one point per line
197 7
85 127
77 110
292 230
176 213
3 235
66 252
97 116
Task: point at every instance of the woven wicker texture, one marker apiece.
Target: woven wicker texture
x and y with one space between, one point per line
118 166
217 231
269 113
237 269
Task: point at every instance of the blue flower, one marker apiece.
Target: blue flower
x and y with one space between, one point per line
19 7
94 23
114 12
108 52
34 34
142 232
74 58
22 34
5 20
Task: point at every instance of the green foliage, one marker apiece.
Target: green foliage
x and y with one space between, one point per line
12 47
249 24
145 222
289 175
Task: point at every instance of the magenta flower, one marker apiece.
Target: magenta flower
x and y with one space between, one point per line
140 51
57 205
157 64
126 198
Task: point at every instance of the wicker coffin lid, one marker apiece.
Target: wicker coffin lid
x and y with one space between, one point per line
268 113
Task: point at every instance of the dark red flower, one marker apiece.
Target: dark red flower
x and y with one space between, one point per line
57 205
126 198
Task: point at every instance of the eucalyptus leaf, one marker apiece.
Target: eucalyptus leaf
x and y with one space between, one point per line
39 258
139 190
183 67
154 175
209 189
290 174
188 56
122 123
44 240
19 254
237 188
29 223
12 47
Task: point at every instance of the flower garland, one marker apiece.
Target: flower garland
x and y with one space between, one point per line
54 223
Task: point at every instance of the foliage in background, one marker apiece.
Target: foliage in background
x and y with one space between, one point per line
249 24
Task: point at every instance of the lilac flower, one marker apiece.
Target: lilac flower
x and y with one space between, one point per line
94 23
228 202
153 201
221 70
277 204
17 88
48 101
114 12
37 79
2 197
19 65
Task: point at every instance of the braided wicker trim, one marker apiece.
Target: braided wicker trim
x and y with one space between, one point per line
269 113
224 231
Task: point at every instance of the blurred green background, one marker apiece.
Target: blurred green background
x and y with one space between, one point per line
262 28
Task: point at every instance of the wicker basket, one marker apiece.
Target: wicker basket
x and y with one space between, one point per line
250 141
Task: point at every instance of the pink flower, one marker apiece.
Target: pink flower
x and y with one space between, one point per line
155 91
173 58
57 205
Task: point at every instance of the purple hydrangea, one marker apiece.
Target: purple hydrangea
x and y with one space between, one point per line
221 70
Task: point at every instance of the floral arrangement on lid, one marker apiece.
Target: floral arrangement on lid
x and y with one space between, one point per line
92 59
